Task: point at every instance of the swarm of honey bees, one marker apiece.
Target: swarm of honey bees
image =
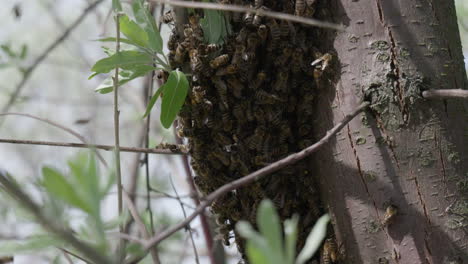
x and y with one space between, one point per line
250 104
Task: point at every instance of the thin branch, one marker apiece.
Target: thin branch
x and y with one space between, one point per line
163 151
57 125
51 225
127 237
268 170
73 254
261 12
67 257
141 226
197 260
117 138
445 94
149 93
28 72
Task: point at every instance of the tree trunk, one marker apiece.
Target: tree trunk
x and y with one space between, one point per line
407 153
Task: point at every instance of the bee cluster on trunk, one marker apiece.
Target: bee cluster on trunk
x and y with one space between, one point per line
250 104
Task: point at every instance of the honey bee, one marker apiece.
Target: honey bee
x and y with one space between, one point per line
223 156
297 61
194 21
299 8
324 60
237 57
172 42
198 94
210 122
304 130
195 62
262 32
248 18
283 59
214 162
255 142
252 42
242 36
238 164
238 113
236 87
329 252
228 70
257 19
210 48
219 61
263 97
281 82
390 212
285 28
310 3
227 121
222 139
247 110
275 34
225 234
168 17
305 143
221 88
285 132
275 117
180 53
258 81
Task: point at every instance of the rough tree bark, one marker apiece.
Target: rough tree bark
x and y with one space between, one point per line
407 152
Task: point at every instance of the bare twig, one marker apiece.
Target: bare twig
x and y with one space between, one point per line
149 93
117 138
445 94
141 226
244 9
47 51
103 147
8 185
196 199
73 254
67 257
268 170
189 229
55 124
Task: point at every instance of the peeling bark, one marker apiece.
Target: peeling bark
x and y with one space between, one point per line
408 152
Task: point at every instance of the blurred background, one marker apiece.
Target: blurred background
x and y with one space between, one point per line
59 90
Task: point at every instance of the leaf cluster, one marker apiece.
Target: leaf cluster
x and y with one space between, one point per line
145 54
270 247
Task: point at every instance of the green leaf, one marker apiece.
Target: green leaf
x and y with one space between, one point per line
133 31
290 236
125 76
175 91
270 227
153 100
24 51
116 5
56 184
212 26
255 254
144 18
314 240
259 247
127 60
84 171
122 40
31 244
7 49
